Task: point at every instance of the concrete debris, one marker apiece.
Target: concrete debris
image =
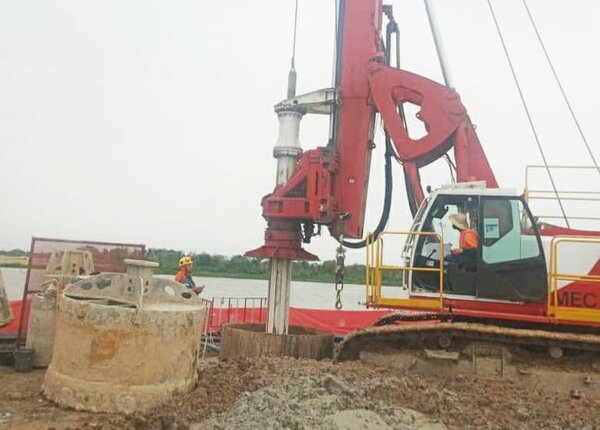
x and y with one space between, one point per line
5 419
324 402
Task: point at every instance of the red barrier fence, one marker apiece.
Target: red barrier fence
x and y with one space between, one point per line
224 310
338 322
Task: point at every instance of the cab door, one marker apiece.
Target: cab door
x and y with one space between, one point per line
457 280
511 265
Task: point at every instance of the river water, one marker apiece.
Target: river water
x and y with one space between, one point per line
313 295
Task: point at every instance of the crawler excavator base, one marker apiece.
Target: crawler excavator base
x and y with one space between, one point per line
548 360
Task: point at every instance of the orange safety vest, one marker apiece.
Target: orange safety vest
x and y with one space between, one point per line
468 239
185 278
180 275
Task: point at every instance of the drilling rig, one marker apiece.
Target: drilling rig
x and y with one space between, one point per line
515 289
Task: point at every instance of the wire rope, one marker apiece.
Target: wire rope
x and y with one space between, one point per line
294 40
533 129
562 90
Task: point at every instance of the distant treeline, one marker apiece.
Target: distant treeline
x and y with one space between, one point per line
14 253
252 268
239 267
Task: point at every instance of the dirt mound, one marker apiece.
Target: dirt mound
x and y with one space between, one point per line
245 394
293 393
322 402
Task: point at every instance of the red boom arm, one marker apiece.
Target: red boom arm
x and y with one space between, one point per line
330 182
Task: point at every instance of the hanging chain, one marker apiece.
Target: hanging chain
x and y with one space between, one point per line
340 257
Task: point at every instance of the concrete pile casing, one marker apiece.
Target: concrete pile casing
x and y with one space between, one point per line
40 329
64 267
124 343
70 263
5 312
41 325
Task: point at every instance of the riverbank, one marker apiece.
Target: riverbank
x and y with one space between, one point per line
21 263
13 261
312 295
321 278
218 266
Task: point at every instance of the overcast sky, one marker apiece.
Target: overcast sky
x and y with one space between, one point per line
152 121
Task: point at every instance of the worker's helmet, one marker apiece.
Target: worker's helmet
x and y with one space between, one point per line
459 220
184 261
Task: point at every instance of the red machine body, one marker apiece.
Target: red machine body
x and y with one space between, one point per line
329 186
507 282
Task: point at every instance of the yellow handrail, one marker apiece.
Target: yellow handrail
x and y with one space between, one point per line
569 313
375 268
570 195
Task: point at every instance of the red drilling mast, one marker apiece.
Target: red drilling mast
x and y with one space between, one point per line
329 185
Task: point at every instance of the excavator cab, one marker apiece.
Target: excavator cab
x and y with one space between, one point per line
508 263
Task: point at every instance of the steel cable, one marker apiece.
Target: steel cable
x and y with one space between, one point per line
537 33
294 41
537 139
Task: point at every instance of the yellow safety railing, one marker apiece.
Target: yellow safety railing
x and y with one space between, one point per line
574 195
375 268
555 309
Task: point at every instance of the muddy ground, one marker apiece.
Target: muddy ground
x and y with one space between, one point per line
305 394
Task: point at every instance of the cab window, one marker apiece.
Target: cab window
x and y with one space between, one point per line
439 222
503 238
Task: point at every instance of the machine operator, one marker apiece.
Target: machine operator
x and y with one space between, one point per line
184 276
467 243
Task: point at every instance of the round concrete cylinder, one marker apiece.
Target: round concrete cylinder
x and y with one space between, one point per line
5 312
40 331
41 326
122 351
250 340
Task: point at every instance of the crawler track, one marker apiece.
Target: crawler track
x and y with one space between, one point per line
407 316
426 333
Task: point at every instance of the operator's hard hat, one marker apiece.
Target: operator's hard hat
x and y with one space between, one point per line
184 261
459 220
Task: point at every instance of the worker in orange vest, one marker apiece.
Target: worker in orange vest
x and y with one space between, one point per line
184 276
467 243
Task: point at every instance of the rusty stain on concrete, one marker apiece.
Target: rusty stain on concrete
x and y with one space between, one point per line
124 343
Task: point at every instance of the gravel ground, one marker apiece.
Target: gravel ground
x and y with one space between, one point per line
319 402
305 394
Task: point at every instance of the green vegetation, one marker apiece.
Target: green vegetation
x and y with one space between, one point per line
251 268
13 258
235 267
14 253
